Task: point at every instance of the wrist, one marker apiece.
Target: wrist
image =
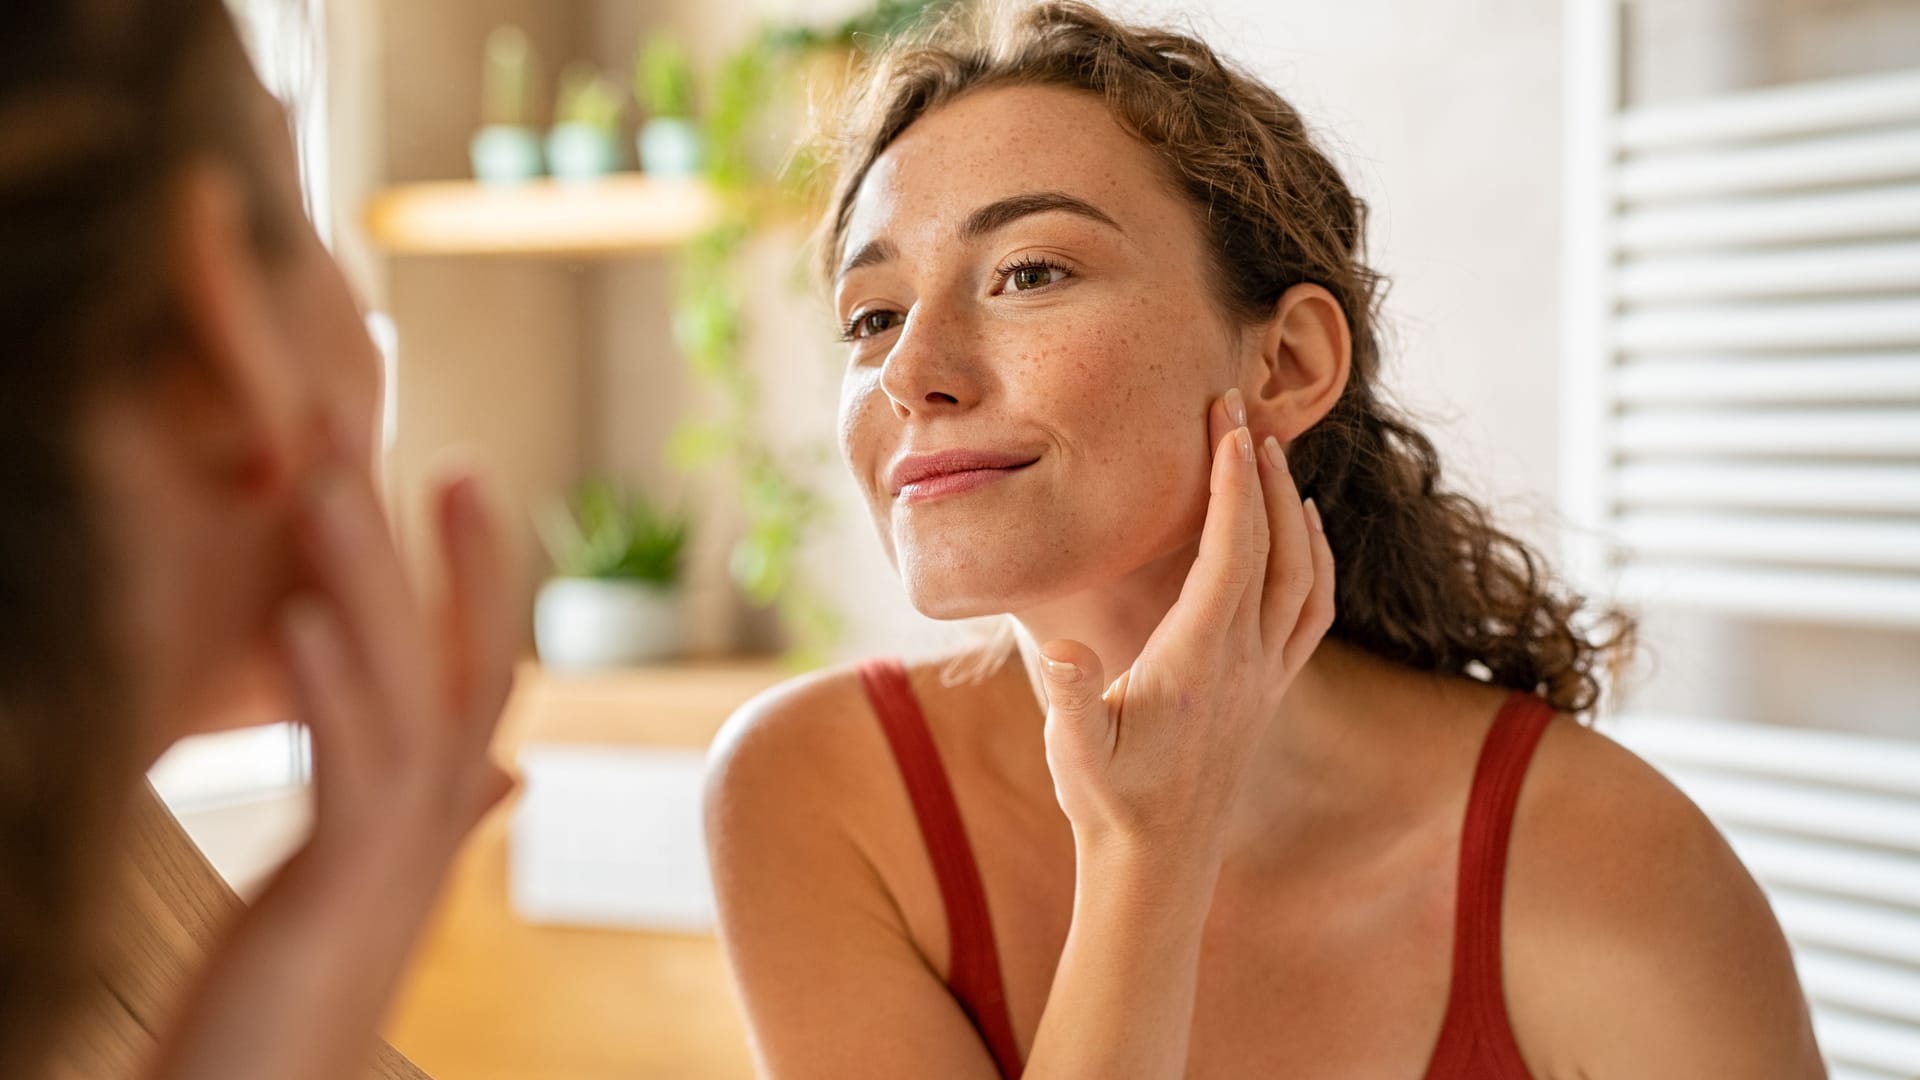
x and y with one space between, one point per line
374 869
1158 872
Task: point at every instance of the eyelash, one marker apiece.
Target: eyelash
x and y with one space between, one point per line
850 331
1005 273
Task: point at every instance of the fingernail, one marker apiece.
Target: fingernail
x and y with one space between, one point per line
1060 669
1236 407
1313 517
1245 439
1274 456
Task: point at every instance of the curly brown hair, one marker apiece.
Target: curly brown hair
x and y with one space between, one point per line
1426 578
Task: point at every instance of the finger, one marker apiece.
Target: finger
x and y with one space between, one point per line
328 696
478 622
1290 563
1078 732
1220 421
1233 548
1317 614
358 567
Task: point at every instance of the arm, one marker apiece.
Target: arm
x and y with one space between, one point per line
829 978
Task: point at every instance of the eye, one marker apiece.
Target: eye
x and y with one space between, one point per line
1030 274
866 324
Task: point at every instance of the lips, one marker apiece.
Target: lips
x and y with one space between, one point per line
915 468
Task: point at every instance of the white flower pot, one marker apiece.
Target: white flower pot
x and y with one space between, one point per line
585 623
669 147
580 152
505 154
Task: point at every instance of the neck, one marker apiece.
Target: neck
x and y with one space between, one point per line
1114 619
1310 762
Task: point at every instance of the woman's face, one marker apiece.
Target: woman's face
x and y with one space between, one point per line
215 466
1020 280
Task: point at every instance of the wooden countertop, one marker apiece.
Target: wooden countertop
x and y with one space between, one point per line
494 998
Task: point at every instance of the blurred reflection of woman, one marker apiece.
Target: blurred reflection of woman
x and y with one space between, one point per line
187 523
1107 321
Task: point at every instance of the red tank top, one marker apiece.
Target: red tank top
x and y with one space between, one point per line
1476 1039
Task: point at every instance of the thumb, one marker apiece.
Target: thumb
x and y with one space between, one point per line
1077 716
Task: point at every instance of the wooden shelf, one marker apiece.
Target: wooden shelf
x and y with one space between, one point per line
624 214
678 704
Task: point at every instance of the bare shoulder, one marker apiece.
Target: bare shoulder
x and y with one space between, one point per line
805 742
1636 941
817 734
1602 836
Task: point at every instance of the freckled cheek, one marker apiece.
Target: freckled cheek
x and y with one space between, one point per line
1122 392
863 430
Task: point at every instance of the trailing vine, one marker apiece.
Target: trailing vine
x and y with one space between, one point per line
710 317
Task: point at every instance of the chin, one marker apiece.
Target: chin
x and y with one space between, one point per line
946 586
949 607
954 579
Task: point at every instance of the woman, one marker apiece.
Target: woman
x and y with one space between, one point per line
1250 829
188 531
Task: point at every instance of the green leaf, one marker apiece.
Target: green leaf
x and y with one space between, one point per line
663 78
618 534
695 444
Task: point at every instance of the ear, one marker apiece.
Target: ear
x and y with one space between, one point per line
1305 355
232 386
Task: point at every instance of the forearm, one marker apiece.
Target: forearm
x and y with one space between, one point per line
1122 1001
298 987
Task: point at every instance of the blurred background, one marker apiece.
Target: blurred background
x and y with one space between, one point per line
1656 294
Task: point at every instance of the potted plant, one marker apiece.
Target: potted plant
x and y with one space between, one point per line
615 595
506 149
669 142
585 141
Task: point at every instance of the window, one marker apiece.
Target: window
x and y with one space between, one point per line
208 773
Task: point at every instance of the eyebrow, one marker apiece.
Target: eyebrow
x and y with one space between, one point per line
991 218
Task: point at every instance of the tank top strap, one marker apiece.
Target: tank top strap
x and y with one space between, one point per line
974 976
1477 1029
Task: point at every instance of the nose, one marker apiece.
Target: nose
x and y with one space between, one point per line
934 366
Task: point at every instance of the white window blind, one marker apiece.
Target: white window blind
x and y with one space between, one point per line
1743 352
1741 421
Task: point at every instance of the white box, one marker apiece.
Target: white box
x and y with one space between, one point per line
610 836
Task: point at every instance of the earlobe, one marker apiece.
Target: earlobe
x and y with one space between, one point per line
1306 355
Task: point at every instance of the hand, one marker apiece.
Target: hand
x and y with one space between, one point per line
402 707
1156 761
